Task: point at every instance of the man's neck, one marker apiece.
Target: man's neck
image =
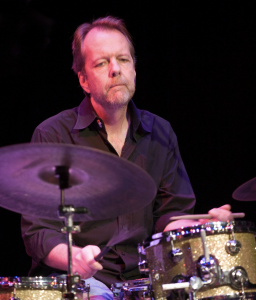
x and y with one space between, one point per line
116 119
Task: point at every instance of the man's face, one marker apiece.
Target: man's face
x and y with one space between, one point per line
109 69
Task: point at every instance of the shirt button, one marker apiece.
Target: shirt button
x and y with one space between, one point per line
99 123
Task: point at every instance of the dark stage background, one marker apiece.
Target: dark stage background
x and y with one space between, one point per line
196 68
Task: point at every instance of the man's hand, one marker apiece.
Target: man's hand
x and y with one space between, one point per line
82 259
84 263
222 213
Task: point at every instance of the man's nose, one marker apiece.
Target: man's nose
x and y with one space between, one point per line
115 69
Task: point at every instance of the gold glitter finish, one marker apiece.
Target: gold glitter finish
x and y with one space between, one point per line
36 288
163 270
38 294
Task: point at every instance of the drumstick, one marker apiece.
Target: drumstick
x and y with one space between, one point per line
206 216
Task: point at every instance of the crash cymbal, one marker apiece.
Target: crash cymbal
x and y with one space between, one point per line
105 184
246 192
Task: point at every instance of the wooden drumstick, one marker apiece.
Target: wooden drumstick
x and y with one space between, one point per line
206 216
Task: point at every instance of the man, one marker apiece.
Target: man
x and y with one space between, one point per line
107 119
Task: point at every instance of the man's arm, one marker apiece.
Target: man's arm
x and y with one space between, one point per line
82 259
175 195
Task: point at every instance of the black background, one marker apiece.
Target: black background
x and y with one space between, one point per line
195 68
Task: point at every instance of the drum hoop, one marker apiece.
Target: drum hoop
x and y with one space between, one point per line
38 279
46 283
211 228
8 282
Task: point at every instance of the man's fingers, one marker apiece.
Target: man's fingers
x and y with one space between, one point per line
88 253
84 263
222 214
226 207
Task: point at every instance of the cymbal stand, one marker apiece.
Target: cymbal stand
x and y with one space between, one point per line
66 212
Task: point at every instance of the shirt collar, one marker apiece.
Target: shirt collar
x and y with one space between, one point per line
139 123
86 115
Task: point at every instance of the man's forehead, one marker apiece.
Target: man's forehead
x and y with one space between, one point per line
99 39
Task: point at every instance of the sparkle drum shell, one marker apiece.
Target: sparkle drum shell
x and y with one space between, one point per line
38 288
163 270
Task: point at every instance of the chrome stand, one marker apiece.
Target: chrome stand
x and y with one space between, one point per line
66 212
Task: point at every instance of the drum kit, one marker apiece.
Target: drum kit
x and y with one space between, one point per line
215 260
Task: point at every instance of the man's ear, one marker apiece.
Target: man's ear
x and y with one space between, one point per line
83 82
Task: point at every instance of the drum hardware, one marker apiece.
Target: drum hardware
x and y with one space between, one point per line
193 285
176 254
132 289
207 265
66 212
143 267
239 278
142 264
208 271
80 287
233 246
222 275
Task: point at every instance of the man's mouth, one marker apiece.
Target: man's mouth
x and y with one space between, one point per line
115 85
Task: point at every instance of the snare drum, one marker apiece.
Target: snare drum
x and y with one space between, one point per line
39 288
132 290
177 255
7 287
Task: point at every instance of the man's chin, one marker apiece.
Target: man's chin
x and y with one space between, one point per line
116 103
118 100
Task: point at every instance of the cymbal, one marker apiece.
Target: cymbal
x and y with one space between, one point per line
107 185
246 192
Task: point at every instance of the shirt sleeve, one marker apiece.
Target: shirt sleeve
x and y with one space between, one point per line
175 195
41 236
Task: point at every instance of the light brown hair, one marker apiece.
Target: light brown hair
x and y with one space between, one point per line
107 23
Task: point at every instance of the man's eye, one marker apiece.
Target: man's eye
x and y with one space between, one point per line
100 64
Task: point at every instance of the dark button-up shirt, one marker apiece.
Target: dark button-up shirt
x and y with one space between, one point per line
152 145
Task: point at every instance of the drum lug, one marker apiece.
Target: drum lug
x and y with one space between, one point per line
208 270
233 247
176 254
238 278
